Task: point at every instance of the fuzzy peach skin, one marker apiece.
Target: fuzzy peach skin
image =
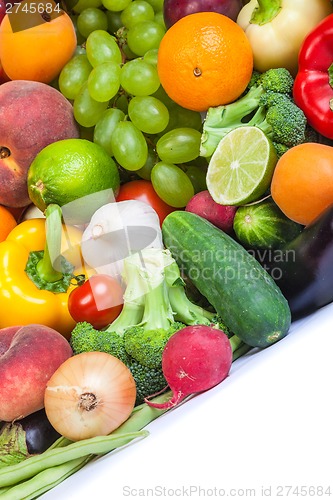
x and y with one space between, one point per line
32 116
29 355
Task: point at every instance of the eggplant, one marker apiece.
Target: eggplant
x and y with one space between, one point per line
30 435
303 269
39 433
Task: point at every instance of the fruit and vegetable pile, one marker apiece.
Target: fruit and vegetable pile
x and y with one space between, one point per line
166 206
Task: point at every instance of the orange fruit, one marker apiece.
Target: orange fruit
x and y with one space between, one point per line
302 183
7 222
204 60
39 52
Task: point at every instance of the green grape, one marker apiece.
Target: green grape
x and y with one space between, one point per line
80 49
151 56
145 171
122 42
187 117
81 5
104 81
91 19
79 38
182 117
86 110
172 184
105 126
139 78
144 36
73 75
156 4
102 47
129 146
149 114
198 178
179 145
120 101
163 96
116 5
86 133
159 19
114 21
137 11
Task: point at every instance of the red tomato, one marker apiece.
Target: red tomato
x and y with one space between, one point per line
98 301
143 190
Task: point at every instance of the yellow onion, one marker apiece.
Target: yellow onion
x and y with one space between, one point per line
90 394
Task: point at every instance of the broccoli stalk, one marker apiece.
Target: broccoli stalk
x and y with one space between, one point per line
183 308
267 103
145 342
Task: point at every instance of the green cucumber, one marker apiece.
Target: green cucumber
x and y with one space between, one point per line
263 225
233 281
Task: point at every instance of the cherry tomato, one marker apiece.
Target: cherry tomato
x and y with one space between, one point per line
143 190
98 301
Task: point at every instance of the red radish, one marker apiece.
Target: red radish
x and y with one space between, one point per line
195 359
222 216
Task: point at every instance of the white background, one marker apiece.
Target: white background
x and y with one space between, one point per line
268 425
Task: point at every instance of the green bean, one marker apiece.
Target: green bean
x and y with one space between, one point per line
45 480
99 445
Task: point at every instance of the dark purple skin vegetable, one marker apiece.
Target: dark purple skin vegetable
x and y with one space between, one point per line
303 270
176 9
39 433
195 359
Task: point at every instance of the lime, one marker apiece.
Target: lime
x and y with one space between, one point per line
76 174
241 168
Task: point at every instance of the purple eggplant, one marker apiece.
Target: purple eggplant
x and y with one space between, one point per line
303 269
29 436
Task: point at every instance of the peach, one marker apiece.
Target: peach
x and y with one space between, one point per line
32 116
29 355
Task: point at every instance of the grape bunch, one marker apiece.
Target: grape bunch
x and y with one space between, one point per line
119 103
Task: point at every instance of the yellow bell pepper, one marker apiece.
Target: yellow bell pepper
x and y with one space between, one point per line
21 301
277 28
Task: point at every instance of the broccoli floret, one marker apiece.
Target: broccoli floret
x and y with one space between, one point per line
267 103
277 80
146 346
84 338
285 123
148 381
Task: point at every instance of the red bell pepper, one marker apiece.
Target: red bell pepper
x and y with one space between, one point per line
313 87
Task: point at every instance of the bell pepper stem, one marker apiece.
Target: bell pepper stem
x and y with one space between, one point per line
47 266
266 11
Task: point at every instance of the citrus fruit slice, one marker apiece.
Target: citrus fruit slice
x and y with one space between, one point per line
241 168
76 174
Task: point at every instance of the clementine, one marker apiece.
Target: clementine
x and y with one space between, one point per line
7 222
40 49
204 60
302 183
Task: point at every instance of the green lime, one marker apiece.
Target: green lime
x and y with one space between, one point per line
76 174
241 168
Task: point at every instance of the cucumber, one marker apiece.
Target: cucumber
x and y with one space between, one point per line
241 291
263 225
